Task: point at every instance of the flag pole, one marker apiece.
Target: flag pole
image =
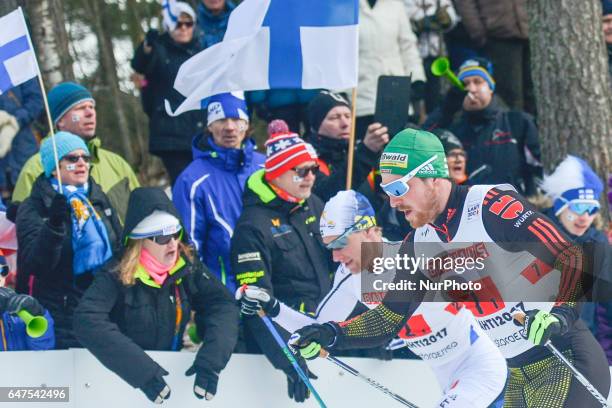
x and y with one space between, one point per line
46 103
351 147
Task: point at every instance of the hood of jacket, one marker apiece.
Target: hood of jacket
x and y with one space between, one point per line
232 160
143 201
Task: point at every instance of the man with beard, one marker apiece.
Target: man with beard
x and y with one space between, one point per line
523 251
329 115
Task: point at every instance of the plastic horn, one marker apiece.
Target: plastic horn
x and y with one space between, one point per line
441 67
36 326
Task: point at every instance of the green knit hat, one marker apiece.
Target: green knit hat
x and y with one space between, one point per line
411 148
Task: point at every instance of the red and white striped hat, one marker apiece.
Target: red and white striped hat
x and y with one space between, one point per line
285 151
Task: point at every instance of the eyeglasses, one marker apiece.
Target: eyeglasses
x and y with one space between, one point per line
400 187
74 158
186 24
303 171
581 207
165 239
342 240
456 155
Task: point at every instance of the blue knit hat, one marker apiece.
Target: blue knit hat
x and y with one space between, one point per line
227 105
62 97
477 67
66 142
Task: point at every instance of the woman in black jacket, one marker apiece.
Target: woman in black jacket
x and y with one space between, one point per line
158 60
64 235
144 300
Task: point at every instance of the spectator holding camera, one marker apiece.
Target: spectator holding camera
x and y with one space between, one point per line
144 300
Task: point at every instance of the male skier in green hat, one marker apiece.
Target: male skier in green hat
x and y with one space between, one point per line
514 241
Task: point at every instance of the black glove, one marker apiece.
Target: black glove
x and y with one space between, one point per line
310 339
12 302
253 299
156 388
453 102
205 384
296 388
151 37
59 210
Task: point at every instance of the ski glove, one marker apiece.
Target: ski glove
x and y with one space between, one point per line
253 299
297 390
12 302
310 339
541 325
205 384
156 388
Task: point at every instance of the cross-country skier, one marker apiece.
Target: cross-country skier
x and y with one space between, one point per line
470 370
415 176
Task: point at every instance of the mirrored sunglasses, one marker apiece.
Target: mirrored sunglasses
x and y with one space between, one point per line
342 240
399 187
165 239
582 207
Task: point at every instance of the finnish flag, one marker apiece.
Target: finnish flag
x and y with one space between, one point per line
169 14
270 44
17 59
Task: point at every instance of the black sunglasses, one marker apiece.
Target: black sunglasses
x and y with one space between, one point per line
74 158
187 24
165 239
303 172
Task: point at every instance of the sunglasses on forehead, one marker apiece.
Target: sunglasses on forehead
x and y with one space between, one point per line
74 158
400 187
165 239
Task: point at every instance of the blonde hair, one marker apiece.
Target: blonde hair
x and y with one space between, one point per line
131 259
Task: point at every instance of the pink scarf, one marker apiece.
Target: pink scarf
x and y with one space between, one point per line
156 270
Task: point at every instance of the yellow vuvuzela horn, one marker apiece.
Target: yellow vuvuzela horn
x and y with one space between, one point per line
441 67
36 326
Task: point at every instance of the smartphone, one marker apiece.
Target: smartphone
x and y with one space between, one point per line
392 102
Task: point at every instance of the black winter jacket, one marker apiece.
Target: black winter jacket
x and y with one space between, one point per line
117 322
277 245
44 259
501 146
160 68
334 155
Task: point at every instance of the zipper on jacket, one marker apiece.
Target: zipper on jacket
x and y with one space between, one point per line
222 266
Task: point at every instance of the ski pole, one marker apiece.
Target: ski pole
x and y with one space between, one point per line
520 317
291 358
370 381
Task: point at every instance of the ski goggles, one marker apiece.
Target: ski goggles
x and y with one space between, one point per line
165 239
583 206
399 187
342 240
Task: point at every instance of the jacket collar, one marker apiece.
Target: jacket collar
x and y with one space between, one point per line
261 193
233 160
142 275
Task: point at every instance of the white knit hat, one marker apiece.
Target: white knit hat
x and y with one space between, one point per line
158 223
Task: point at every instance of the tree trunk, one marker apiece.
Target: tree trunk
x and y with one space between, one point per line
571 82
109 73
6 6
48 31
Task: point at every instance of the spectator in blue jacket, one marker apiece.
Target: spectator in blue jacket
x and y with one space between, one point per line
208 193
289 105
213 16
19 108
13 336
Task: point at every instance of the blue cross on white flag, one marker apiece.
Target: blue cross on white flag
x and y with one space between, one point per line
276 44
169 14
17 59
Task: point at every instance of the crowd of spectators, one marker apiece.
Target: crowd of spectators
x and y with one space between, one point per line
119 269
